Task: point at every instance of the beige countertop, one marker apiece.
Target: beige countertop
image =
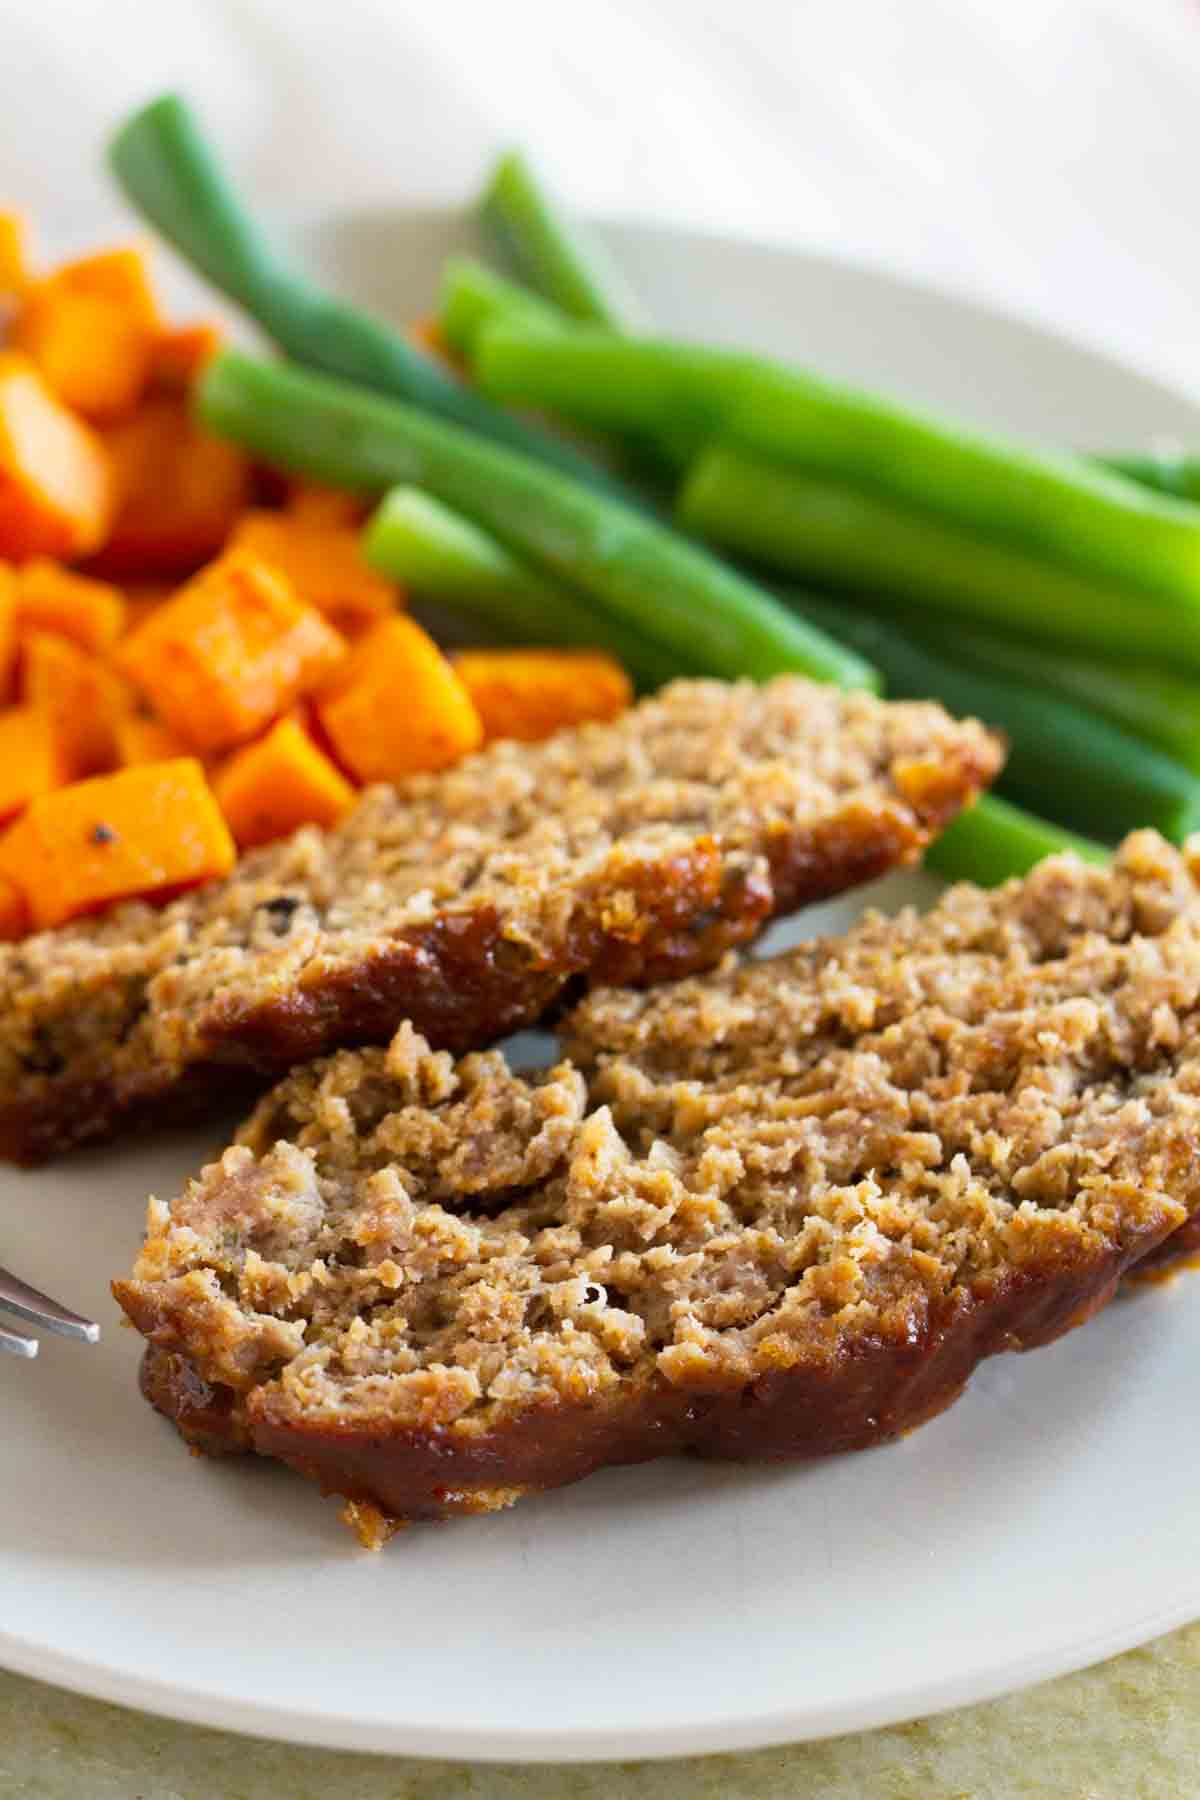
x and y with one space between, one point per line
1126 1730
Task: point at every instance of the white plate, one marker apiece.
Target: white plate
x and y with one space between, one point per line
1044 1522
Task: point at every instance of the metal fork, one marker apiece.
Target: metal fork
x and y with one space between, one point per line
16 1296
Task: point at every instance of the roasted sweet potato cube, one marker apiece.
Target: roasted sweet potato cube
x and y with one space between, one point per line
56 487
8 630
325 565
231 651
14 913
31 758
278 783
51 598
143 739
316 504
14 257
180 353
178 490
140 833
531 693
121 275
397 706
82 696
93 353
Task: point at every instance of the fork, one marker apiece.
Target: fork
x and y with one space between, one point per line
16 1296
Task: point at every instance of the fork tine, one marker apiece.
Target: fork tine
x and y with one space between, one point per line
16 1296
17 1345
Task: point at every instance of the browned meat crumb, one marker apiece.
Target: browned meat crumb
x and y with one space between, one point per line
464 901
777 1210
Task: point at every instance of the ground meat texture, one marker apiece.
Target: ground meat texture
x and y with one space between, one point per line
464 901
779 1210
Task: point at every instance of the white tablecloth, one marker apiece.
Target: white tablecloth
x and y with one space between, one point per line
1042 153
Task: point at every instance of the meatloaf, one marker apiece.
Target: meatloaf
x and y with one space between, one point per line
775 1211
465 901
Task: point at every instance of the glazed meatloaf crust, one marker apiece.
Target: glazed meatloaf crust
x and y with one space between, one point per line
776 1211
464 901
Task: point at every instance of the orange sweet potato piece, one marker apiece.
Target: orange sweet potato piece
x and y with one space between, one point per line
56 487
141 832
14 257
325 565
8 630
234 648
179 492
92 352
14 914
280 782
529 694
316 504
51 598
180 353
82 697
31 759
396 706
91 328
141 738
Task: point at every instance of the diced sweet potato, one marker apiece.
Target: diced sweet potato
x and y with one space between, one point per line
280 782
92 351
51 598
14 914
143 739
121 275
14 257
8 630
56 486
231 651
325 565
31 759
530 693
180 353
316 504
179 493
140 833
396 706
82 697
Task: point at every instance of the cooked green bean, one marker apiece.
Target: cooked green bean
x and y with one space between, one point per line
681 599
1064 761
1081 519
442 556
167 168
1155 704
474 298
1167 472
554 256
839 535
993 840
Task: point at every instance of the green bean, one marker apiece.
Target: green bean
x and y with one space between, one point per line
440 555
551 253
838 535
677 394
169 171
1058 508
1167 472
1064 761
683 600
474 298
993 840
1155 704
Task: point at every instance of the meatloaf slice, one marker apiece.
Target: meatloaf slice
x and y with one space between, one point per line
464 901
776 1211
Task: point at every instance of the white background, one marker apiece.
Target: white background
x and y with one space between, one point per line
1041 153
